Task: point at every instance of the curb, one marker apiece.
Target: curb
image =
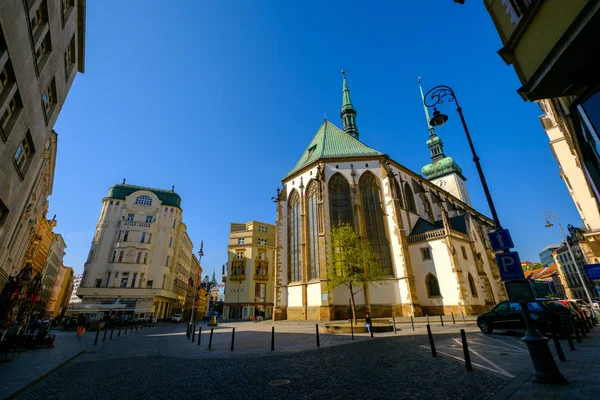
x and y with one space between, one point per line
30 384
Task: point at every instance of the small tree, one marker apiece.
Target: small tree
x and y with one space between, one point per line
352 262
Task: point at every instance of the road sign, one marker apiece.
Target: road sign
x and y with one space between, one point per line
501 240
592 271
519 291
509 265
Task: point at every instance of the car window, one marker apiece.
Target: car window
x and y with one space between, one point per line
501 308
515 307
533 306
552 304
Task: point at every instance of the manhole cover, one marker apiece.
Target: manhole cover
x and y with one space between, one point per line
279 382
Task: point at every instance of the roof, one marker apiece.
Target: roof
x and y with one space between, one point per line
541 273
457 224
122 190
440 168
332 142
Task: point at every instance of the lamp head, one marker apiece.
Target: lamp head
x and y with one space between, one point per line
548 224
438 118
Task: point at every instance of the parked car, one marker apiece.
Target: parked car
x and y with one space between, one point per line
176 318
572 304
585 307
507 315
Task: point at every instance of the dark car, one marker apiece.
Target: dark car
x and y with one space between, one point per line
508 316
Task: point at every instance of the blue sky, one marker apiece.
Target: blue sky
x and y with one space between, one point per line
220 99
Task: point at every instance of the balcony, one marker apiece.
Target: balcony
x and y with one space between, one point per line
237 277
137 223
435 234
263 277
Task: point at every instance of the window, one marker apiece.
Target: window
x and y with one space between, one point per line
133 279
124 279
472 286
464 252
49 99
119 235
426 253
294 234
240 240
174 222
262 256
433 287
339 194
428 209
262 241
260 291
5 76
501 308
262 229
149 284
239 255
143 237
23 155
3 212
171 242
42 53
107 279
67 7
149 238
126 236
149 219
168 260
145 258
130 217
410 198
144 200
313 233
397 192
10 115
114 256
39 18
121 253
98 282
139 257
164 282
374 221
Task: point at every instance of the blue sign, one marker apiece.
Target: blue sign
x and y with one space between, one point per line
592 271
501 240
509 265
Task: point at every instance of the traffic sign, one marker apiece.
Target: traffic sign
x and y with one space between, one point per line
592 271
509 265
519 291
501 240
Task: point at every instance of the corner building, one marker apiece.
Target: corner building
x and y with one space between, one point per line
141 256
432 244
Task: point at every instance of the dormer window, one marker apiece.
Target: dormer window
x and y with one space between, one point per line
144 200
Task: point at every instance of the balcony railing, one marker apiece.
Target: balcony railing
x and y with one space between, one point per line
237 277
137 223
438 233
258 277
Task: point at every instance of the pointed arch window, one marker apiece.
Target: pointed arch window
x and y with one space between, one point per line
313 234
397 192
428 209
294 231
374 221
410 198
472 285
339 195
433 287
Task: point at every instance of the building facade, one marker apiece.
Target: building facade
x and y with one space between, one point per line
41 51
65 290
568 269
430 242
546 256
140 258
53 263
249 278
76 282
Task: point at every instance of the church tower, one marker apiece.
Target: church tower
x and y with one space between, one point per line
443 171
348 113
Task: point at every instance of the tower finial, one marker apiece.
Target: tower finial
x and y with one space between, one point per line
435 144
429 127
348 113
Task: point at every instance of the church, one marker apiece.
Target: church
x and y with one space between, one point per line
430 241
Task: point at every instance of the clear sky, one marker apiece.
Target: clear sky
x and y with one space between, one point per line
220 98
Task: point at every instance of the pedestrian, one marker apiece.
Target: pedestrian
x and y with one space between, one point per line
80 325
368 322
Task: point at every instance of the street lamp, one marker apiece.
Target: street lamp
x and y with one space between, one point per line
547 215
544 364
200 254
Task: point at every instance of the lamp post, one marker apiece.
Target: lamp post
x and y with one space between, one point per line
544 364
200 254
547 215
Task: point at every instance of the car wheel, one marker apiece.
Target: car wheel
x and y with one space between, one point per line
486 327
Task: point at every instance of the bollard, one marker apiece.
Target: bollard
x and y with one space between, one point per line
589 321
584 322
199 334
575 331
453 321
193 333
105 330
187 331
433 352
119 334
412 323
97 334
317 328
352 328
232 338
463 337
463 316
111 332
557 346
210 338
394 322
582 328
442 320
272 338
568 335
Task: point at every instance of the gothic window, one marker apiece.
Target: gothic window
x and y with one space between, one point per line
313 246
294 232
339 194
433 287
410 198
145 200
472 286
397 192
428 209
374 222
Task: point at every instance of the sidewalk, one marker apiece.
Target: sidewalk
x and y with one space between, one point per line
580 369
33 364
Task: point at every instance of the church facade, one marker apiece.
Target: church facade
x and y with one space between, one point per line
425 234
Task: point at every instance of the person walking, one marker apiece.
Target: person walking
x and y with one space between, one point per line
368 322
80 325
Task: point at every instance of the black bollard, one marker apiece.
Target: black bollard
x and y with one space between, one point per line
272 338
463 337
431 343
453 321
210 338
317 328
193 333
97 334
557 346
111 332
199 334
352 328
442 320
588 321
105 330
568 335
118 334
412 323
575 331
187 331
583 328
232 338
394 322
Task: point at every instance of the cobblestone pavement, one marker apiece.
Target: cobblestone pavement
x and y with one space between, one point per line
380 368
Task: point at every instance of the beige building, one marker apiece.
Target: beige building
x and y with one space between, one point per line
64 294
41 51
141 256
53 264
249 277
570 270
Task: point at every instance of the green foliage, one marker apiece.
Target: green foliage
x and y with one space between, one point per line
531 267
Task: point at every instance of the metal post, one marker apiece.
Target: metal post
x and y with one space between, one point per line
97 334
463 337
317 328
412 323
193 333
199 334
442 320
125 333
394 322
210 338
232 338
575 331
557 346
568 335
453 321
111 331
431 343
105 330
352 328
583 328
272 338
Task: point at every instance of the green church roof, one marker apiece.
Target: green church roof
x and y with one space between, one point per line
445 166
332 142
122 190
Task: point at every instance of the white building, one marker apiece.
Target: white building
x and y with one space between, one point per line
76 282
426 235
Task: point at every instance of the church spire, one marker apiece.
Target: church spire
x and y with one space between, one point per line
348 113
435 144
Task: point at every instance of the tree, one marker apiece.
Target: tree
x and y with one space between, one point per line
352 262
531 267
